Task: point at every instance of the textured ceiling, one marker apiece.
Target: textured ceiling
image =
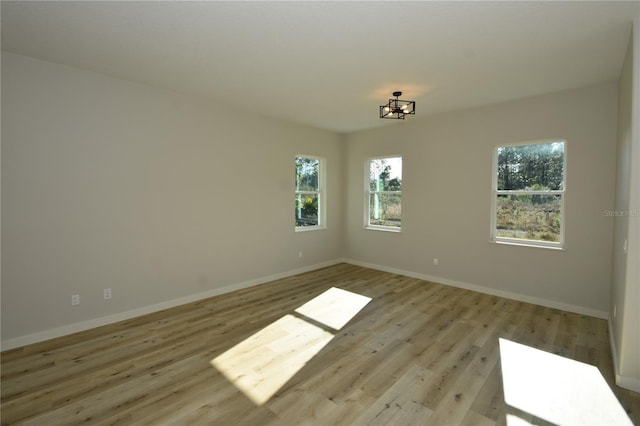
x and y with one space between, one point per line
331 64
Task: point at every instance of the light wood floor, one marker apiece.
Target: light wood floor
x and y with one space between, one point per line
417 353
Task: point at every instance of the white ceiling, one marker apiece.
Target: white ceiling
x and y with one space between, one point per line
331 64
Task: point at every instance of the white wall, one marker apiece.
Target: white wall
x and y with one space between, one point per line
112 184
446 199
625 288
107 183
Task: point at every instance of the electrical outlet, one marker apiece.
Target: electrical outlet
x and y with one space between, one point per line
75 299
300 254
435 261
106 293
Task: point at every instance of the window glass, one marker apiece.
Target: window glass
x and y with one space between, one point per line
384 203
537 166
308 195
528 196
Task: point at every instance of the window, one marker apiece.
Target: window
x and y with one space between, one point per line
528 194
384 193
309 206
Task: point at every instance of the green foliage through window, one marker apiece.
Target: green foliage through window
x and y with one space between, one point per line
307 191
385 192
529 192
531 167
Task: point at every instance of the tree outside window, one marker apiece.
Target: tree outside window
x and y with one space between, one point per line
528 199
308 193
384 200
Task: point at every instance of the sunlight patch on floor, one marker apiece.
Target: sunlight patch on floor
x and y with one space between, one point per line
555 389
261 364
334 308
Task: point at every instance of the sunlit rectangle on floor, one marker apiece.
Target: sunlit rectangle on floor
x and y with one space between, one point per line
334 308
556 389
261 364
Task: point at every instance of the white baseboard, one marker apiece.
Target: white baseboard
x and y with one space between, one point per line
110 319
480 289
630 383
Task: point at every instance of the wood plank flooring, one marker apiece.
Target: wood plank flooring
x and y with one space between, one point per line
417 353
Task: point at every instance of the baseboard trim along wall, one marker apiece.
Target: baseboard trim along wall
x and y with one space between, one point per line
480 289
122 316
623 381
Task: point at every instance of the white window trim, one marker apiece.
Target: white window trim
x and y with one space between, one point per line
495 192
368 192
321 192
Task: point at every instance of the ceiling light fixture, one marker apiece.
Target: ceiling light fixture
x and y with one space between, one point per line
397 109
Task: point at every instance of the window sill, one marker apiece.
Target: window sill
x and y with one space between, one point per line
383 228
309 228
527 244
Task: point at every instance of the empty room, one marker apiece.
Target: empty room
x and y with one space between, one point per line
327 213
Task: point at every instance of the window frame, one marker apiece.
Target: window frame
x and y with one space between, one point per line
320 193
559 245
368 192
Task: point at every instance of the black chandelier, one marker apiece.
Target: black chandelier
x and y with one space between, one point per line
397 108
